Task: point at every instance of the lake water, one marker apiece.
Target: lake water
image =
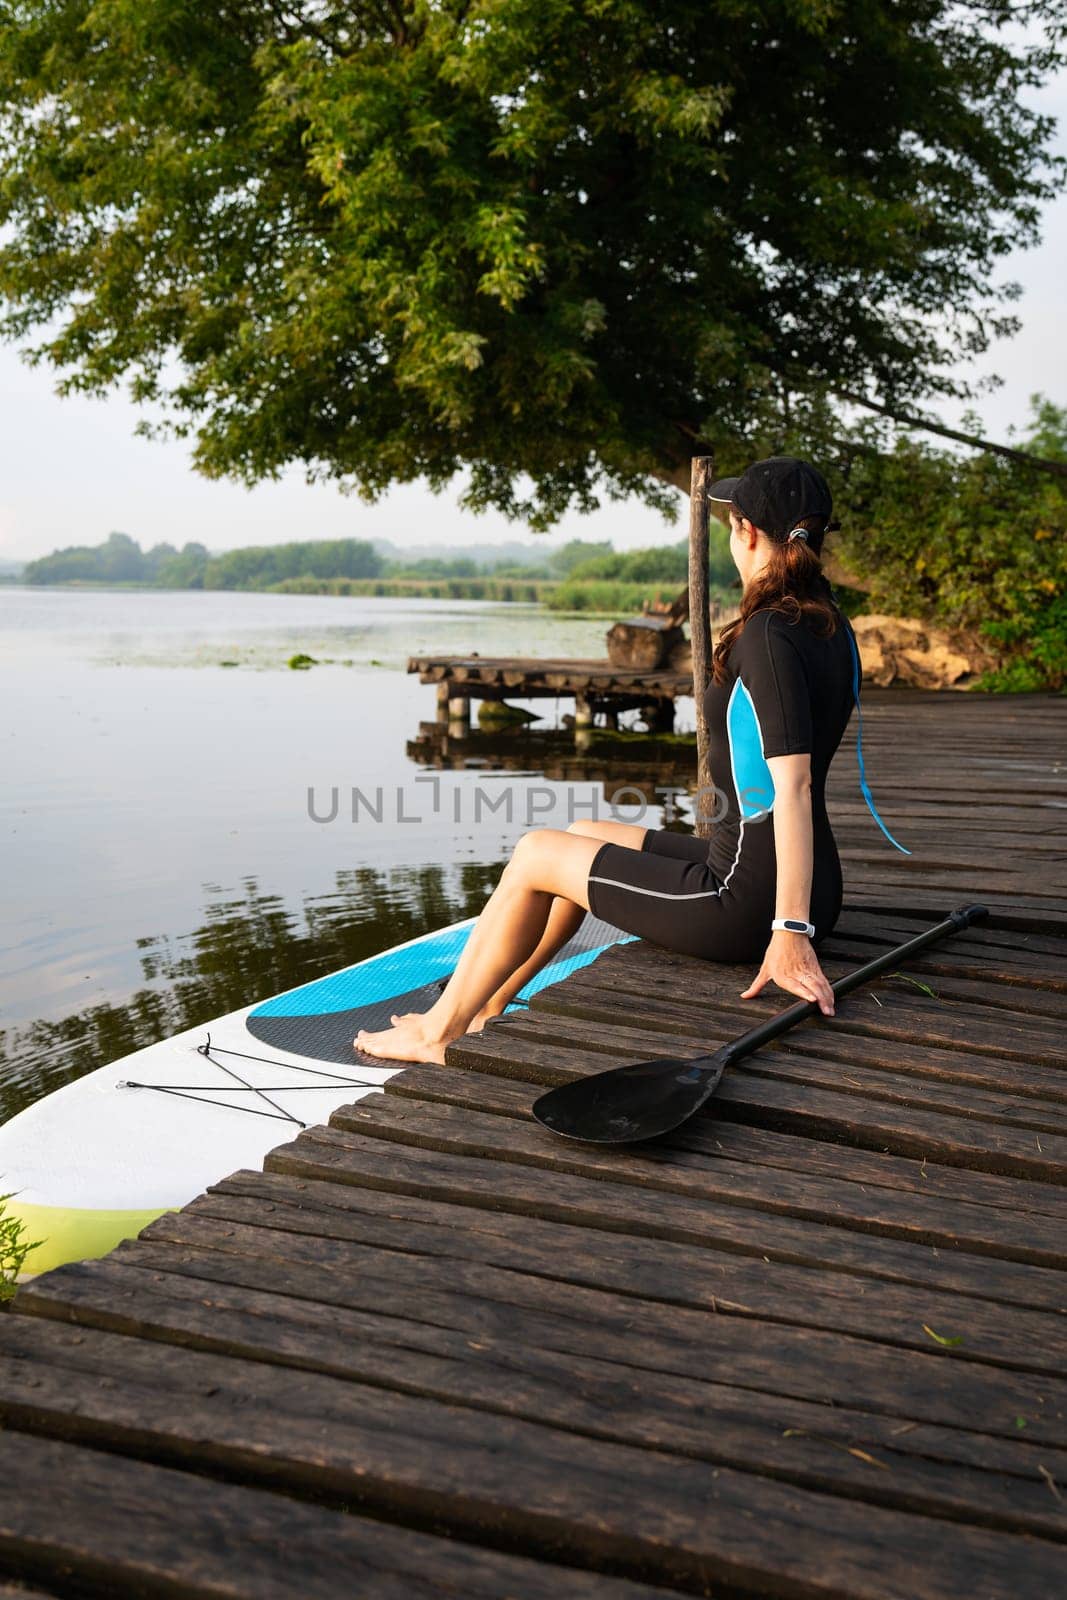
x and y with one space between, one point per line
165 853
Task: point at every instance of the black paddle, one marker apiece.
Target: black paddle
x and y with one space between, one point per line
647 1099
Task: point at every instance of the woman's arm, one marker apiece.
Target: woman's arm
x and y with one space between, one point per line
790 960
794 845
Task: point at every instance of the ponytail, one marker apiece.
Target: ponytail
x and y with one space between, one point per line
792 582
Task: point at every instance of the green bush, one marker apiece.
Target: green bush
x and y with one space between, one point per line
615 599
975 542
591 594
666 565
266 566
1035 652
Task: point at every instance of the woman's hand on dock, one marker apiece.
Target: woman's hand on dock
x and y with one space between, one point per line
792 964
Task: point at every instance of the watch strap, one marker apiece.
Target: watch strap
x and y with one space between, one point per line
793 925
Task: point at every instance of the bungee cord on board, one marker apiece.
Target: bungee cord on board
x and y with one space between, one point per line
204 1093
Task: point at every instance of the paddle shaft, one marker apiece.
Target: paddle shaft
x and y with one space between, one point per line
784 1020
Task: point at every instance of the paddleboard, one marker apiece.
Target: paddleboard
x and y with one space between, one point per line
94 1162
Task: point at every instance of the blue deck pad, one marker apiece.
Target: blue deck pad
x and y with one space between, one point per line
381 977
562 967
320 1019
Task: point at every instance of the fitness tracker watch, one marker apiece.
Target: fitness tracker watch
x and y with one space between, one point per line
793 925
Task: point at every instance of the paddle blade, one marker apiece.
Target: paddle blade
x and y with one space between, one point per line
627 1105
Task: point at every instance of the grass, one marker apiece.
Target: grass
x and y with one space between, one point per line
528 590
941 1338
14 1248
925 987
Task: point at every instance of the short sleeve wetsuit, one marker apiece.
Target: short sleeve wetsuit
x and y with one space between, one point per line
787 691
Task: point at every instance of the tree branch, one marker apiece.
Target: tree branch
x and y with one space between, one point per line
1039 463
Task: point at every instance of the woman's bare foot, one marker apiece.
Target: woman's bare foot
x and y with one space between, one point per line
409 1039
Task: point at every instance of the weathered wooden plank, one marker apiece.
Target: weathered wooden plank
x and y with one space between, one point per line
940 841
1035 822
870 891
926 875
757 1098
1015 1338
875 1125
587 1501
758 1147
994 991
1039 1114
982 981
899 1012
973 1229
934 1386
930 1077
983 1478
336 1156
990 963
94 1523
595 999
719 1281
997 985
1036 956
276 1327
1032 904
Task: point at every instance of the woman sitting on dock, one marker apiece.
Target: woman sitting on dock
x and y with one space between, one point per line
768 885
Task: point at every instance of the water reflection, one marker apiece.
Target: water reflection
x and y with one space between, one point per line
247 947
252 944
625 765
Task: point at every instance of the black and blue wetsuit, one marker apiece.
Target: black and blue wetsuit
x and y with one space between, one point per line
787 691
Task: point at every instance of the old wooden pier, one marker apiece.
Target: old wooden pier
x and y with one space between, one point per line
595 686
811 1346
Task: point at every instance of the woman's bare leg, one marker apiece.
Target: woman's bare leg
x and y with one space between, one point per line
546 863
564 920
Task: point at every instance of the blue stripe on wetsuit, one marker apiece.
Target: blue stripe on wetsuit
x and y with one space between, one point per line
751 774
864 785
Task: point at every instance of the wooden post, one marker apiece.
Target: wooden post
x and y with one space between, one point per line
703 468
459 709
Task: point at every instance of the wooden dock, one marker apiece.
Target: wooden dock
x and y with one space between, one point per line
813 1346
596 687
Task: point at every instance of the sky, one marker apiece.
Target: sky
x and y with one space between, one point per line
73 470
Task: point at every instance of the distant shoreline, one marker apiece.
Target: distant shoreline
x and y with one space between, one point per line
592 597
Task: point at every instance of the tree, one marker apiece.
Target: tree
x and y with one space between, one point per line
971 541
259 566
555 242
119 559
186 569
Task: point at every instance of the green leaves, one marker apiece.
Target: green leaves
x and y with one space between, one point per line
498 237
558 243
948 1341
15 1247
974 541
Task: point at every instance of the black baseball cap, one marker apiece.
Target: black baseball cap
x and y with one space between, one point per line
775 494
